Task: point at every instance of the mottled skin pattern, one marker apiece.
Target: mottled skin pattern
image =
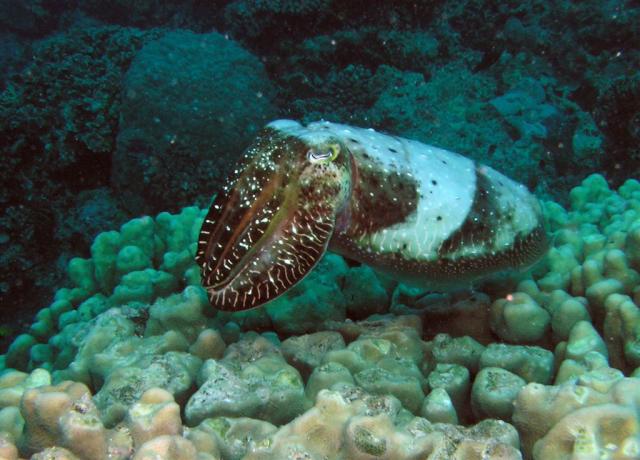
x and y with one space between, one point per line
421 214
273 222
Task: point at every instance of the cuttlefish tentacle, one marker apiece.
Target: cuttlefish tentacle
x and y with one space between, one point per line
272 224
421 214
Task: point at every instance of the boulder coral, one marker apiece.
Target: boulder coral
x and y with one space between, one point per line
583 416
180 92
62 415
349 423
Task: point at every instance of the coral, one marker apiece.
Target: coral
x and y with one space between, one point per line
19 350
246 384
583 339
86 339
124 366
170 114
586 413
589 431
286 21
34 19
398 328
402 333
519 318
61 421
406 386
174 372
13 384
326 376
152 13
618 117
260 18
62 415
230 438
300 309
306 352
349 364
59 125
533 364
382 362
142 356
54 453
437 407
154 414
103 281
525 109
566 313
351 423
166 447
11 424
493 392
364 293
593 277
209 344
226 394
8 450
182 312
465 351
455 380
569 368
370 351
12 55
620 330
443 311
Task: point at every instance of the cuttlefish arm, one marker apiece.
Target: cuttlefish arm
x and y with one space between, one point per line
421 214
271 225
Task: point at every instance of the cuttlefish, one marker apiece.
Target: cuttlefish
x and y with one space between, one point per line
418 213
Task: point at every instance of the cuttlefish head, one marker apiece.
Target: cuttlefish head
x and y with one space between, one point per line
271 224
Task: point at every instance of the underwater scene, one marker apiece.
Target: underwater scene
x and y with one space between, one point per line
320 230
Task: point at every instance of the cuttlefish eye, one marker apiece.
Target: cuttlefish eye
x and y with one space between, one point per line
324 154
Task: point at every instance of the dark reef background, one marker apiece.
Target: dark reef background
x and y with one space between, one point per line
113 109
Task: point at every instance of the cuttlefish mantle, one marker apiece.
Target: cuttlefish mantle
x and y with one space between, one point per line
421 214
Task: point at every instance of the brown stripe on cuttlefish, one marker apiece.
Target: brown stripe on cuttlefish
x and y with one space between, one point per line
480 223
380 197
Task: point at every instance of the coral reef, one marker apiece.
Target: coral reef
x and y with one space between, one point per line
441 72
135 107
134 342
71 128
58 127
